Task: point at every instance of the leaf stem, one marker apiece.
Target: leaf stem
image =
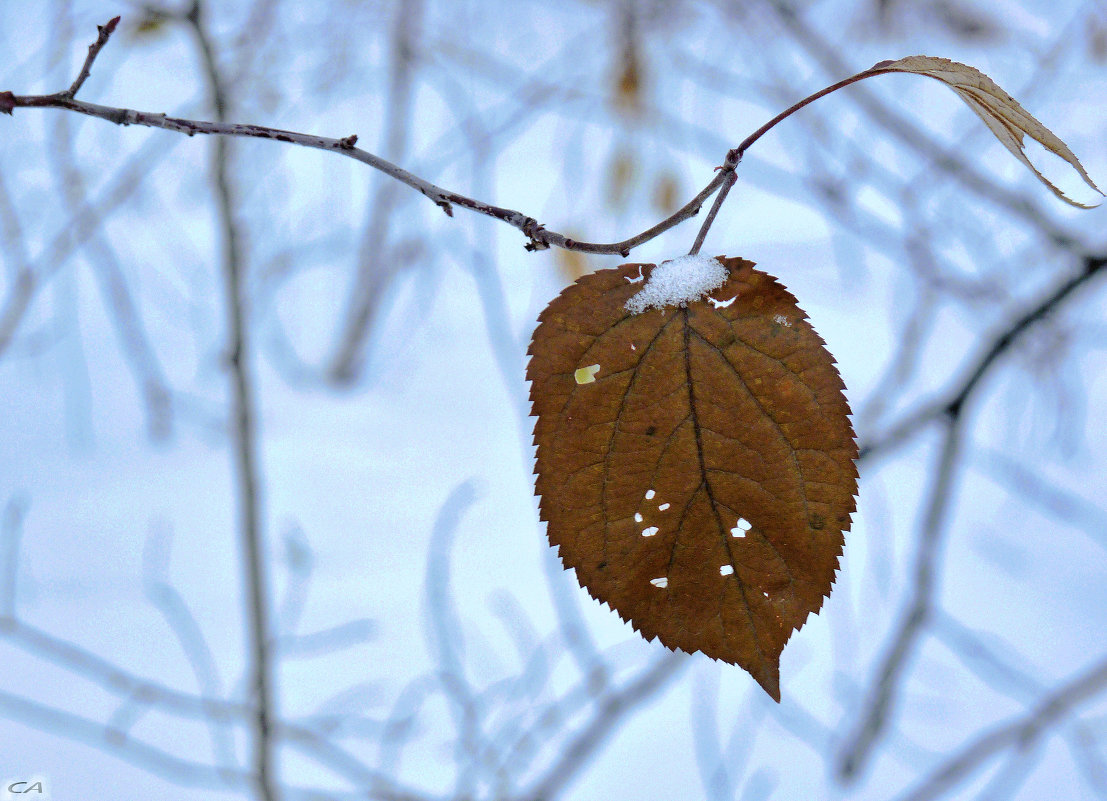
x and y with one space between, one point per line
727 171
788 112
729 178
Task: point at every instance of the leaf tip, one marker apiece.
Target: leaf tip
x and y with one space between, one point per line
768 676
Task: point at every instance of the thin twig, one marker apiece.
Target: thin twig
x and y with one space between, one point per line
120 682
177 615
105 32
881 697
539 238
960 169
604 722
724 190
125 317
247 472
374 265
448 642
154 760
72 234
915 421
885 687
788 112
1020 733
11 532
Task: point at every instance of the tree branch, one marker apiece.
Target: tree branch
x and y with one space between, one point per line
374 267
881 697
539 238
603 723
245 437
105 32
1020 733
915 421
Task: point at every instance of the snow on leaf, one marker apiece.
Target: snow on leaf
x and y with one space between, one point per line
720 413
678 282
1009 121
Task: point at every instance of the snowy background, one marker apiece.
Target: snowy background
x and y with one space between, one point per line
427 643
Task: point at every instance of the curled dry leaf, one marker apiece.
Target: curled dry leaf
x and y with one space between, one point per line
696 463
1009 121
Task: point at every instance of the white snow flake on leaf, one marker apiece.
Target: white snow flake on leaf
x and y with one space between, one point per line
678 282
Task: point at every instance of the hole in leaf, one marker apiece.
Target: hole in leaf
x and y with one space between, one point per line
649 532
663 507
650 494
637 517
660 582
726 570
586 375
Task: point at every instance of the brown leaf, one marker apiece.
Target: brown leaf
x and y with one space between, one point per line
1009 121
695 464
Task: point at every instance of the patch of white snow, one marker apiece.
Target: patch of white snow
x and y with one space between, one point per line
678 282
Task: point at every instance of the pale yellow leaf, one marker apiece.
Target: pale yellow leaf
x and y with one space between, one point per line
1009 121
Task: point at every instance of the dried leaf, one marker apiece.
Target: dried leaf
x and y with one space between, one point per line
700 477
1009 121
